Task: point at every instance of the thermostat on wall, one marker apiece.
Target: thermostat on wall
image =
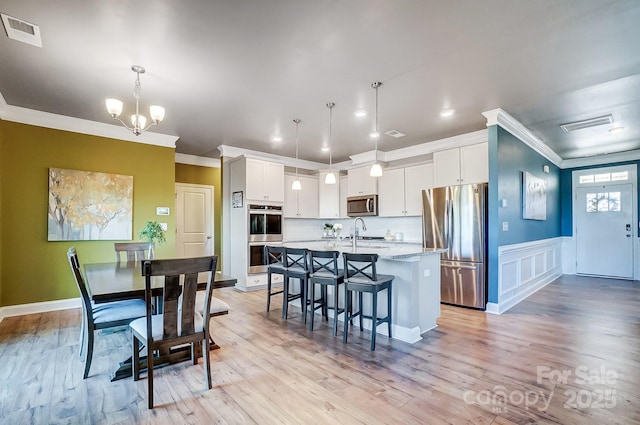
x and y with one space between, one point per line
162 210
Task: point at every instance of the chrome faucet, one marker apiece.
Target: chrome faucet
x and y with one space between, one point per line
355 231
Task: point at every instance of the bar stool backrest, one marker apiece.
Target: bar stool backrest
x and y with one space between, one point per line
296 259
275 257
324 262
359 266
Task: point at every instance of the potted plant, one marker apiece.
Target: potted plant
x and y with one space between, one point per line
153 233
328 230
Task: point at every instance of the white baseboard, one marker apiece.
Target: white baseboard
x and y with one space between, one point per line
42 307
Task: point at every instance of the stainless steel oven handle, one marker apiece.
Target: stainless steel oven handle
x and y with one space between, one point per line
265 212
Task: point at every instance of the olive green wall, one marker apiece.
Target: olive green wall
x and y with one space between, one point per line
194 174
33 269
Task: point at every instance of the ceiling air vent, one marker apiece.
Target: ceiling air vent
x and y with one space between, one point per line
20 30
591 122
395 133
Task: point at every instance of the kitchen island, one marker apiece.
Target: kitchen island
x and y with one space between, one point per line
416 287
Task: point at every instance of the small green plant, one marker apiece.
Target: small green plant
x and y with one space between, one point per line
153 233
328 226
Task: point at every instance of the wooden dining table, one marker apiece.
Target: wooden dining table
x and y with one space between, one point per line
124 281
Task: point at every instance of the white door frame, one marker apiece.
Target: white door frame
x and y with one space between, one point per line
632 169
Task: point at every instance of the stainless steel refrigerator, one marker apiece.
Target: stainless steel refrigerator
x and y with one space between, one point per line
454 218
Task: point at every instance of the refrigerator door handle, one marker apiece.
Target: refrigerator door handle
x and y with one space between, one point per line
458 266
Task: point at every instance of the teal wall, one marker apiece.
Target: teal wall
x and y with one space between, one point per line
509 157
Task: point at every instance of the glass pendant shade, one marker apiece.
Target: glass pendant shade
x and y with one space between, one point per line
330 178
138 121
376 170
114 107
296 185
157 113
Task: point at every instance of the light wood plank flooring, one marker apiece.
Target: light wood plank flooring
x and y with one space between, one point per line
583 334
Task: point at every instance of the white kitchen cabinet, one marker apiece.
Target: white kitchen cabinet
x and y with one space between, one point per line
264 181
328 198
301 203
344 191
465 165
400 190
361 183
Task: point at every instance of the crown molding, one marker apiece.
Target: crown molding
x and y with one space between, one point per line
601 159
201 161
426 148
513 126
77 125
227 151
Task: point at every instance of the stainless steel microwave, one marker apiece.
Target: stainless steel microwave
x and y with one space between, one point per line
362 206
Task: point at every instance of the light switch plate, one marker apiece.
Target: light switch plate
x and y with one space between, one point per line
164 226
505 226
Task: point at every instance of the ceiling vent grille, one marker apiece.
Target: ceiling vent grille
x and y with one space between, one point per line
20 30
395 133
591 122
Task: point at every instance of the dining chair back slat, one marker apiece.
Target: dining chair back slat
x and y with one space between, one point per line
133 251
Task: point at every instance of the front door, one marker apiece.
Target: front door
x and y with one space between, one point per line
604 230
194 220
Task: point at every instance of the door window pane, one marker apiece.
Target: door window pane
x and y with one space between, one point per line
623 175
614 201
604 202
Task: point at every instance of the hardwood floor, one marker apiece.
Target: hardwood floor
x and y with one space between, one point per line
475 368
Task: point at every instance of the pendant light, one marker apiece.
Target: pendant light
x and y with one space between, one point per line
296 183
330 177
376 169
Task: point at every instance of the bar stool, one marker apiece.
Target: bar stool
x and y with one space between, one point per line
360 276
324 272
275 265
297 267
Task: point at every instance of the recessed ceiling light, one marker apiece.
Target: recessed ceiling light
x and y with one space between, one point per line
616 130
276 139
360 113
325 149
374 134
447 113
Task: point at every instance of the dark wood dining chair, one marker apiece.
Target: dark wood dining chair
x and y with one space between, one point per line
99 316
179 323
134 251
361 276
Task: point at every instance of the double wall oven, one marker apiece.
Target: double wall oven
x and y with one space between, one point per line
264 228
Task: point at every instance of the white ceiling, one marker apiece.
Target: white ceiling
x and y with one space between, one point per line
236 72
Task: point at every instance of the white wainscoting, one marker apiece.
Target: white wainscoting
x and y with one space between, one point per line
525 268
21 309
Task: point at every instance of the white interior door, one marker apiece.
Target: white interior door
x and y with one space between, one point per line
604 230
194 220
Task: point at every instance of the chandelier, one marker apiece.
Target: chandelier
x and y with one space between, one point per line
138 122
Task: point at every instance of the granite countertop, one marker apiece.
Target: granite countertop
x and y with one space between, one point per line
386 250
